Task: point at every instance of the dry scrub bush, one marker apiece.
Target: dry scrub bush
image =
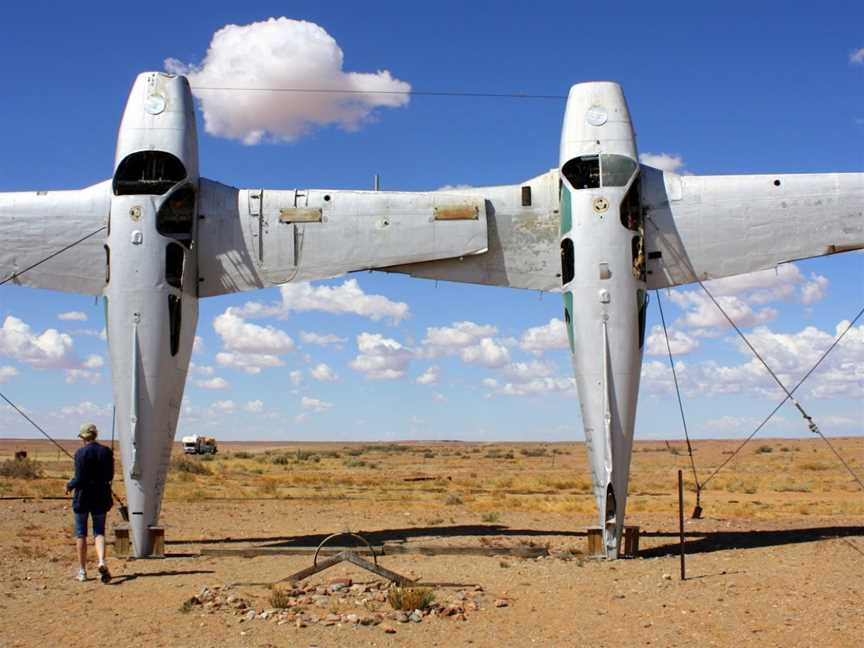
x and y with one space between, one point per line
409 599
533 452
188 466
280 599
21 469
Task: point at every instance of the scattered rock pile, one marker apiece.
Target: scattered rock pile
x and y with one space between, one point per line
339 602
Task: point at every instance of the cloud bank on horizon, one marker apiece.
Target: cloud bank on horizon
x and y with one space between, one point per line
281 53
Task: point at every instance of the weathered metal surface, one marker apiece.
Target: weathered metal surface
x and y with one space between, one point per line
457 212
300 215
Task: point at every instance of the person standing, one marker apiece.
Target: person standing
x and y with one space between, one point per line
94 472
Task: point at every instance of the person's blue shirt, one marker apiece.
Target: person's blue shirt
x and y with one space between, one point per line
94 472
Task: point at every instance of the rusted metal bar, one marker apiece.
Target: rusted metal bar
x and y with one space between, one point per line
389 549
314 569
354 559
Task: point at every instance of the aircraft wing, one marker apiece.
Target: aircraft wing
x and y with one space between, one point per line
36 225
696 226
716 226
254 238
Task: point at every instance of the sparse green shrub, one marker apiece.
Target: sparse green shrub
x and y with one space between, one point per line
355 452
764 449
429 455
242 454
354 463
453 499
22 469
491 517
281 460
409 599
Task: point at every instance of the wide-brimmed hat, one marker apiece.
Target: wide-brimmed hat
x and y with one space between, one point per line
88 431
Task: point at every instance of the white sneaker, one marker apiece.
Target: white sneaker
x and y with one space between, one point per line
82 576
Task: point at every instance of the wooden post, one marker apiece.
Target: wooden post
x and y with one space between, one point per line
595 542
158 534
681 521
121 540
631 541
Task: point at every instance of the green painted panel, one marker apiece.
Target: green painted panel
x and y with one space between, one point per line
566 212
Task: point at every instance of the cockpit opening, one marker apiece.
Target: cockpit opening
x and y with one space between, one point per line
148 172
583 172
595 171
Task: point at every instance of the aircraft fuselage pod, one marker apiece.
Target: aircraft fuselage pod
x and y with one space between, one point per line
152 295
603 276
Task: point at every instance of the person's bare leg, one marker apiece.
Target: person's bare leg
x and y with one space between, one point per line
81 546
99 543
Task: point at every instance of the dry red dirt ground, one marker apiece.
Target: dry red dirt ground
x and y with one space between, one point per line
778 559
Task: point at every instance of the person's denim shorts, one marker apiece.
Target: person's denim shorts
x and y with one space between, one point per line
81 524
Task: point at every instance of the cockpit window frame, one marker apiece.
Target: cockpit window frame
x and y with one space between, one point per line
137 174
587 179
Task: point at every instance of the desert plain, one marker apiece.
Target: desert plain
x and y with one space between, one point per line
777 558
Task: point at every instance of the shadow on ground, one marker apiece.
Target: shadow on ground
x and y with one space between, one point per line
119 580
707 542
697 542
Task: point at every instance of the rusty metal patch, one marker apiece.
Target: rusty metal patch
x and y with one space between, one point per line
135 213
457 212
300 215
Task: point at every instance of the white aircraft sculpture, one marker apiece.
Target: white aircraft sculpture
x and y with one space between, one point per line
601 228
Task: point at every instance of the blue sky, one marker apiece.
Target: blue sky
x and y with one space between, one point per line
737 88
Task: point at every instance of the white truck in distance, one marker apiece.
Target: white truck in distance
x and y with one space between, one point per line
199 445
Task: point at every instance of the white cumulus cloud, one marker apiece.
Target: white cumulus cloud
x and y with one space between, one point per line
73 316
283 53
239 335
323 373
251 363
50 349
663 161
381 358
212 383
429 377
679 342
329 339
539 339
7 373
857 57
488 353
254 407
315 404
346 298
